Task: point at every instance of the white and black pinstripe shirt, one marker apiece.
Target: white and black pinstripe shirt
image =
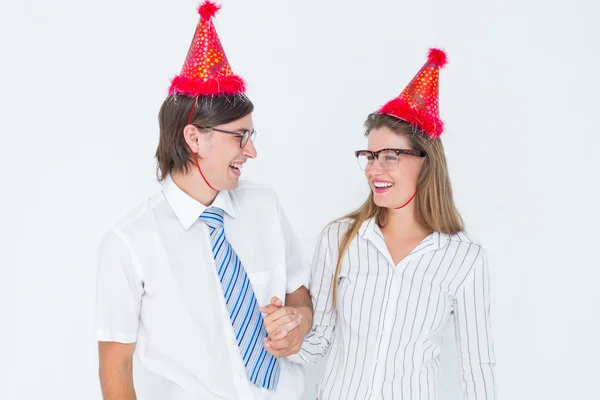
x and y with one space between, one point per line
385 334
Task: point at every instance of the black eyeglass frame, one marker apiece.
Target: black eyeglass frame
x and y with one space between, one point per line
375 154
243 136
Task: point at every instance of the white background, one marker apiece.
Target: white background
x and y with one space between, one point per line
82 83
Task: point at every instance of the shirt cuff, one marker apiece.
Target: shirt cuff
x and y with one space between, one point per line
115 336
297 359
297 282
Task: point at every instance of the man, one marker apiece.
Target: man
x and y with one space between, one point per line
181 278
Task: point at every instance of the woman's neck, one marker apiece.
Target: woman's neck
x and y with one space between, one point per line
403 224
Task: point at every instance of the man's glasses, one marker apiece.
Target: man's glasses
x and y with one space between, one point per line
244 136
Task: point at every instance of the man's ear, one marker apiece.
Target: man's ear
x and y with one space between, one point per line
196 140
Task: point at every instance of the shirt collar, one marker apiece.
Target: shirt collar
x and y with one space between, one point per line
366 229
187 209
370 231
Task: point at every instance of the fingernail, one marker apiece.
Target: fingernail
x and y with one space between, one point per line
267 345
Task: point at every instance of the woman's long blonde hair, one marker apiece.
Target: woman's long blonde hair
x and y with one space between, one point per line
435 208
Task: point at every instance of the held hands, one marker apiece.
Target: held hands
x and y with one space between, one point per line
286 327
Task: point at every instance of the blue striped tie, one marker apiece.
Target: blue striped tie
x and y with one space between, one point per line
248 326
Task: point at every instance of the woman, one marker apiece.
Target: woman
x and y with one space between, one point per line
388 278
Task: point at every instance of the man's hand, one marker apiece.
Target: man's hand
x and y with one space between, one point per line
279 319
288 325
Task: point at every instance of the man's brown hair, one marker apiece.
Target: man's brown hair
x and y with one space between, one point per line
172 153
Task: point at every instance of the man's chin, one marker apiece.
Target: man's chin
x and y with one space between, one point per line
232 184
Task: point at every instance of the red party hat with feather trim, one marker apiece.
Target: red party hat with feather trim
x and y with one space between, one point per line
206 70
418 102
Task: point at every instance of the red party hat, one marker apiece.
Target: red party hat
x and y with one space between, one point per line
418 102
206 70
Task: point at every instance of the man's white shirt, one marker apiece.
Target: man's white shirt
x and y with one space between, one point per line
157 286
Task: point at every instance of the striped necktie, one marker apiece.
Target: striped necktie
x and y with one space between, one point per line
248 326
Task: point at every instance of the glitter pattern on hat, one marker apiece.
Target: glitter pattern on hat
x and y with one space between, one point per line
206 70
418 102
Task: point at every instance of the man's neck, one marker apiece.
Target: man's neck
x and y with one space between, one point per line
194 186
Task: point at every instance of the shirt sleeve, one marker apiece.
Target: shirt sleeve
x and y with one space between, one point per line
297 266
119 292
318 341
473 335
